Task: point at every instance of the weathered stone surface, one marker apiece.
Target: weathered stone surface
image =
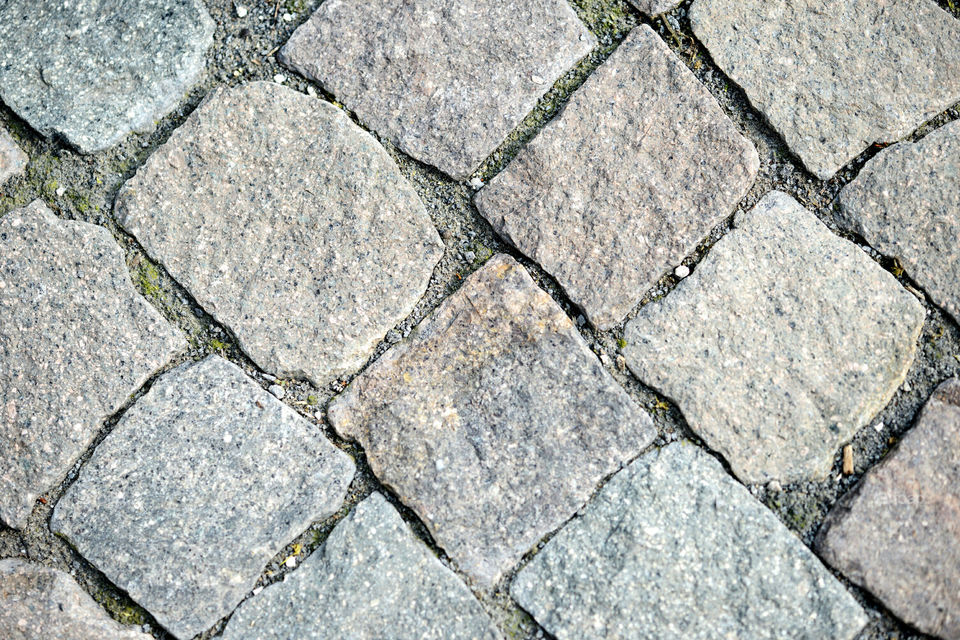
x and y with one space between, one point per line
897 533
75 341
673 547
655 7
833 78
12 160
906 203
38 602
626 182
94 71
202 481
371 579
289 224
494 421
446 83
783 342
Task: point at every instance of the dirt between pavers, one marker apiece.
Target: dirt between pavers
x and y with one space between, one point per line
84 188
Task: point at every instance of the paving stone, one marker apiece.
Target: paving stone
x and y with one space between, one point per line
783 342
201 482
832 81
38 602
12 160
655 7
94 71
493 421
371 578
897 533
445 83
75 341
673 547
289 224
622 186
906 203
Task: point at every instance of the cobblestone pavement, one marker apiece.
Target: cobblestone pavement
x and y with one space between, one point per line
423 319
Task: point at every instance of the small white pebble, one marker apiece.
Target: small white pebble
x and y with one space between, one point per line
277 390
287 17
536 79
311 91
774 486
279 78
291 562
878 427
61 191
241 11
682 271
475 183
257 590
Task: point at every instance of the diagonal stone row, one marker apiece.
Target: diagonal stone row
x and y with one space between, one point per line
494 422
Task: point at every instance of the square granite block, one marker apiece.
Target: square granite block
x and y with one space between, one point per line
201 482
638 168
493 421
446 82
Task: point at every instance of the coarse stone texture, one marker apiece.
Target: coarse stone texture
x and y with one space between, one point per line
783 342
75 341
12 160
202 481
655 7
494 421
897 533
289 224
834 77
444 82
371 579
92 71
626 182
673 547
39 603
906 203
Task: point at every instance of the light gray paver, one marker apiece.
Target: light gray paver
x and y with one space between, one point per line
201 482
673 547
371 579
906 203
897 533
783 342
39 603
12 160
655 7
75 341
626 182
289 224
94 71
835 77
444 82
494 421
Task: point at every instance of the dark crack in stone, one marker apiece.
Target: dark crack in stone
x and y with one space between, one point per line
493 421
445 82
201 482
622 186
76 340
92 71
289 224
783 343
